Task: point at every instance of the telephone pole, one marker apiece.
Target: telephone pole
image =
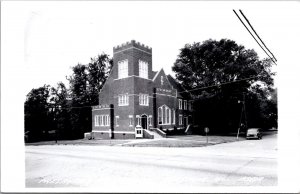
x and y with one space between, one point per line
245 118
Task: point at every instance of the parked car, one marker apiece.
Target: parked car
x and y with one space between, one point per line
253 133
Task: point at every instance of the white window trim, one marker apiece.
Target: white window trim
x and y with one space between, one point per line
122 69
102 120
123 99
180 119
143 69
184 105
97 124
174 117
117 119
166 115
150 120
130 120
180 104
144 99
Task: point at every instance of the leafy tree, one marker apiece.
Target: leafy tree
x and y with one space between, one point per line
68 111
37 120
85 84
80 111
98 71
61 104
233 71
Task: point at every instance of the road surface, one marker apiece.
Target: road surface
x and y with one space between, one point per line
153 169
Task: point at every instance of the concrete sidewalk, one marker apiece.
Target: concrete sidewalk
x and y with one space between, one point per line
171 141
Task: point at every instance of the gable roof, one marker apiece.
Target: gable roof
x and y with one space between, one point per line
181 92
153 73
161 71
154 78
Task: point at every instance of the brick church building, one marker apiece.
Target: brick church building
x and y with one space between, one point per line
134 95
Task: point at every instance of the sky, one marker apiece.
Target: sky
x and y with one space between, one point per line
41 41
59 35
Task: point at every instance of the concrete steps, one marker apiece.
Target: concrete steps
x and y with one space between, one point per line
156 134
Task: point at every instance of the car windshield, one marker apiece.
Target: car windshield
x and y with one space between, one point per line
252 130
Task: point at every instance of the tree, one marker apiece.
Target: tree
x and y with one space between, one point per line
80 110
85 84
61 104
225 71
67 111
98 70
37 112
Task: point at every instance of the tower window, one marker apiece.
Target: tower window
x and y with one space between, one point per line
123 68
143 69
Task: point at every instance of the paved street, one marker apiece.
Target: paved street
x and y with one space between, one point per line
153 169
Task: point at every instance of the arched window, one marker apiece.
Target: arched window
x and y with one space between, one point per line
160 115
174 120
164 115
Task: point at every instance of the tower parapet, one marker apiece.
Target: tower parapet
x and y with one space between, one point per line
131 44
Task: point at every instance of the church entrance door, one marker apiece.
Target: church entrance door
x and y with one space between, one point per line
144 121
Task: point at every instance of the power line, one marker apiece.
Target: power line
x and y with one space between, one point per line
215 85
257 34
254 37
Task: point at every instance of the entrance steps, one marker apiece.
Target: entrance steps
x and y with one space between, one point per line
152 134
157 133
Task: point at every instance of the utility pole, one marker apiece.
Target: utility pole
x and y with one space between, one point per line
242 111
244 101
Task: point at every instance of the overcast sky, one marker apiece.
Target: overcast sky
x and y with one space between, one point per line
58 35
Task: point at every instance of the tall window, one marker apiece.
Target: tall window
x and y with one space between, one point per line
174 117
97 119
123 100
143 69
185 105
144 99
180 119
159 115
150 120
180 104
117 121
106 120
123 68
164 115
130 120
